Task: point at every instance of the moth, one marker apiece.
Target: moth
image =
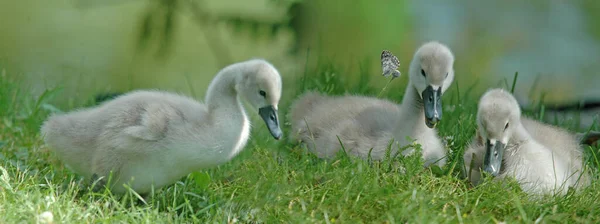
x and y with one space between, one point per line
390 64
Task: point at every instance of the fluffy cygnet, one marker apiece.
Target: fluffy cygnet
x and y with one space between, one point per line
542 158
367 125
150 138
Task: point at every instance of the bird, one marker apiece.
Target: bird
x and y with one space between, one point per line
365 126
150 138
544 159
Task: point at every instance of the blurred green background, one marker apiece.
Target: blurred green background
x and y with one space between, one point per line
92 46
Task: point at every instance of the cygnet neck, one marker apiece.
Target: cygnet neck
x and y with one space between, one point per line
412 107
221 92
520 134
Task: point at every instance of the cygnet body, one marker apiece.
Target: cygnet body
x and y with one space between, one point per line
366 125
542 158
155 137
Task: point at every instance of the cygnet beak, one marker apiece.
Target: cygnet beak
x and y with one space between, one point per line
269 115
432 102
492 162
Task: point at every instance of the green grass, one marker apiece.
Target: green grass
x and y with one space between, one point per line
273 182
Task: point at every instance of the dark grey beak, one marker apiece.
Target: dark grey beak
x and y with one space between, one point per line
492 161
269 115
432 101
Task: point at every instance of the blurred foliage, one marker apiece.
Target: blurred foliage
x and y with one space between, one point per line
339 30
591 9
349 35
160 19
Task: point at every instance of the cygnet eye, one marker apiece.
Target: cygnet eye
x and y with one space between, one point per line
506 126
423 73
446 75
262 93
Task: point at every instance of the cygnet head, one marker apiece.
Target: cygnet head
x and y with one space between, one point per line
260 85
498 117
431 73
